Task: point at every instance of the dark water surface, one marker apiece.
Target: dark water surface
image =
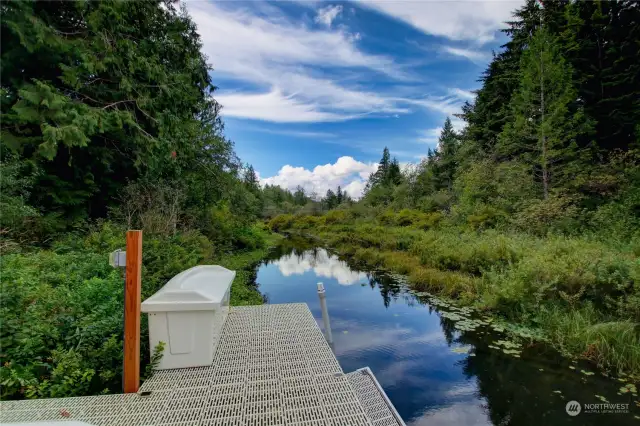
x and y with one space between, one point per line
379 323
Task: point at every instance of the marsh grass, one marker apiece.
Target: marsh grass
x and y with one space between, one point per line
581 294
612 344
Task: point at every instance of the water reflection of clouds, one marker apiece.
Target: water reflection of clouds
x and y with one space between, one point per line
384 340
322 264
468 413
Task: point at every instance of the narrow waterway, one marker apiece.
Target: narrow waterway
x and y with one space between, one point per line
435 371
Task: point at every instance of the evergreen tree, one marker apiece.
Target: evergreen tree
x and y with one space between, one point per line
250 179
394 175
601 44
330 200
299 196
446 156
387 174
380 175
339 196
546 117
97 94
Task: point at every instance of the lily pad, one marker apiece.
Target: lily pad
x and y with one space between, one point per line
587 373
572 367
461 350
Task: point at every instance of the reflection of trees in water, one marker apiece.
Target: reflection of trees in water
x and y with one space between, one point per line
515 390
292 245
518 393
389 289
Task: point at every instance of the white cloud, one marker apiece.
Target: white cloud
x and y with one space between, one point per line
295 133
273 106
472 55
346 172
322 264
462 94
430 136
456 20
469 412
279 56
326 15
447 105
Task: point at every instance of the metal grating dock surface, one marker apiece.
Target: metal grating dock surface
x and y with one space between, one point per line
376 404
272 367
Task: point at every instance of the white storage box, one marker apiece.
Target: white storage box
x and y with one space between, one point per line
188 314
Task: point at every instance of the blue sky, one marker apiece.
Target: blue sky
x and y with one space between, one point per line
313 91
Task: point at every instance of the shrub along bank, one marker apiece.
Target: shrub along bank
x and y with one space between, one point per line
62 308
580 294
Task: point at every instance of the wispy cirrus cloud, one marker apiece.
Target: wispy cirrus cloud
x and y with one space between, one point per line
477 56
328 14
281 58
475 21
290 132
462 94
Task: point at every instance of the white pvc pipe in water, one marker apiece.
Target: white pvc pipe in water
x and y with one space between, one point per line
325 313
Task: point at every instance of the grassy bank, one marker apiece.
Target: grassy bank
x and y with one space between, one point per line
243 290
62 308
581 295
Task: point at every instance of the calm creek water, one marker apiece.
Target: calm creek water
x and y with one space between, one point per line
379 323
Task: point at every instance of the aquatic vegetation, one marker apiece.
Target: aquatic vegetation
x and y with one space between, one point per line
574 293
461 350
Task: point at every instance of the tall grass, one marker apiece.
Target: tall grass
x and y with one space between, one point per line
583 294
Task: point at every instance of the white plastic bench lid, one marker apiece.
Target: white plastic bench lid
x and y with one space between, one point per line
198 288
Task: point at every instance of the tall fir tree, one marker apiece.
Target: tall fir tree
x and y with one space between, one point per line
446 156
250 178
330 200
378 177
394 174
546 119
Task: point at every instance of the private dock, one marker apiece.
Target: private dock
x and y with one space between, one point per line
272 366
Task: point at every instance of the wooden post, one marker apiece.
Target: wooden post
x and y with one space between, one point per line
132 288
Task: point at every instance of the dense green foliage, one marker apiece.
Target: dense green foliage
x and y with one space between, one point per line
108 124
532 211
99 96
281 201
62 308
539 153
